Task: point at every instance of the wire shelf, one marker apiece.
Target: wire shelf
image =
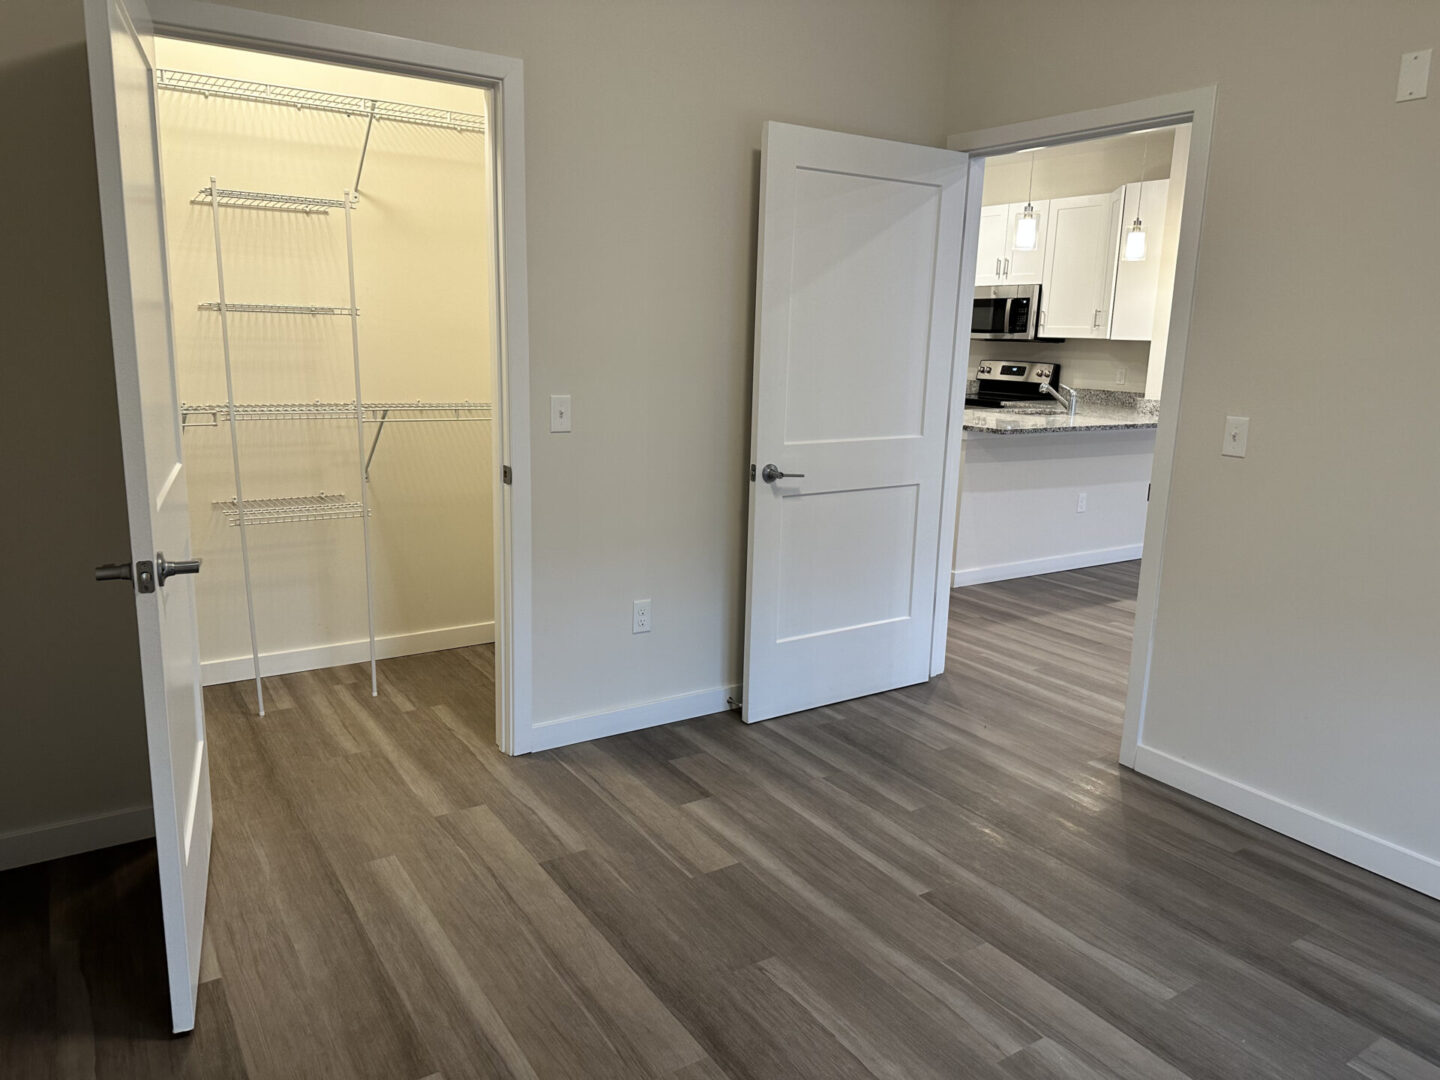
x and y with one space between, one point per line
375 412
192 82
277 309
319 507
265 200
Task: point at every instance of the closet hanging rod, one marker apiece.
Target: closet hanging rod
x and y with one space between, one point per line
277 309
212 414
320 507
266 200
194 82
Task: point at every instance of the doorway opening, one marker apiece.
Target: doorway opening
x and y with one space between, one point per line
333 254
1086 229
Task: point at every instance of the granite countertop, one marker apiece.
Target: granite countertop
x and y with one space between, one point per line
1095 410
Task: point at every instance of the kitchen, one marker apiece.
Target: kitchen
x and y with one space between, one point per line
1075 269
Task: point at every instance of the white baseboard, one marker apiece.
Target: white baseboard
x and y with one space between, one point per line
239 668
1051 564
73 837
1374 853
574 729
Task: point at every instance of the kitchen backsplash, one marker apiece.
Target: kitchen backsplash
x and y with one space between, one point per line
1083 364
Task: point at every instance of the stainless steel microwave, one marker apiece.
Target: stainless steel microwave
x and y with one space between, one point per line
1006 312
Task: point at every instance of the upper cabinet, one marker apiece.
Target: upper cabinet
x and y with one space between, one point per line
1078 282
1137 282
999 261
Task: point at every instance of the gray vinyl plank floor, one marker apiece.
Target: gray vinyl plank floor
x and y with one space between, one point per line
949 880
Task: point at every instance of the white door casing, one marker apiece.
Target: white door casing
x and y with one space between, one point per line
859 268
121 50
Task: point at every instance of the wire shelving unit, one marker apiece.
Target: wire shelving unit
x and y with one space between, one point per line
275 309
194 82
235 199
375 412
319 507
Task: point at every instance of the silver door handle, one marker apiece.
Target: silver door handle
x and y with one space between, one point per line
1007 267
165 569
117 571
771 473
997 267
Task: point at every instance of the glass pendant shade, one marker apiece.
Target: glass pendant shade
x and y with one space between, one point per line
1027 229
1135 243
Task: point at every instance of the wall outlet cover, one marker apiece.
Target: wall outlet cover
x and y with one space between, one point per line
1414 76
640 617
559 412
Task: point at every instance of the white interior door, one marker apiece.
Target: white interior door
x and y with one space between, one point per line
859 265
121 52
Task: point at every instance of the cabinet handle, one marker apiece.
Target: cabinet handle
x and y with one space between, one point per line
1096 324
997 267
1007 267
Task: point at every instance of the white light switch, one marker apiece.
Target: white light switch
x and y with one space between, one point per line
1414 76
1237 430
559 412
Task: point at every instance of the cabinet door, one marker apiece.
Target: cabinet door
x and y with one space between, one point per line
990 260
1026 267
1137 283
1079 258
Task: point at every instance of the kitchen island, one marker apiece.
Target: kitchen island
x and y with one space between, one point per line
1043 491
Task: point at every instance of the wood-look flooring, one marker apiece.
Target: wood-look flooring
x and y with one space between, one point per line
949 881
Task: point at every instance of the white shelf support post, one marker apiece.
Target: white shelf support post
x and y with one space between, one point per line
361 458
235 448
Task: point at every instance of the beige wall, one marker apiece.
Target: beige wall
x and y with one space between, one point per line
1300 609
643 126
422 267
71 724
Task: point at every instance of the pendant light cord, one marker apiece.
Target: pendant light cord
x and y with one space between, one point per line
1144 164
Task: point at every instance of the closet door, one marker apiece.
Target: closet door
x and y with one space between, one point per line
854 348
121 51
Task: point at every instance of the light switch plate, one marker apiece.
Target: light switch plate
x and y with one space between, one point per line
559 412
1237 432
1414 76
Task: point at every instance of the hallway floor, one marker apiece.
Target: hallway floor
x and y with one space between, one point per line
951 880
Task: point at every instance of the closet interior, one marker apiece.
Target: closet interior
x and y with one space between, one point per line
332 275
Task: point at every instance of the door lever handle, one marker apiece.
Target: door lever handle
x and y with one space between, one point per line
119 571
165 569
770 474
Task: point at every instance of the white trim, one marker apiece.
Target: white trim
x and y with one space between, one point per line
1196 107
299 37
1374 853
955 433
574 729
288 661
1050 564
26 846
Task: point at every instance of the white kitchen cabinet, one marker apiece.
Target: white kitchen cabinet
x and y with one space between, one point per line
1137 283
1078 282
1026 267
997 260
990 258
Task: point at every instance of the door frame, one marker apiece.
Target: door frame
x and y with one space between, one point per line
286 36
1197 108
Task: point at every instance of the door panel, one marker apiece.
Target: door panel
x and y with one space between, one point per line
1028 267
121 53
1076 263
855 333
992 240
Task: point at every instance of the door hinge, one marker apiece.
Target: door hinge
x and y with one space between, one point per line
752 470
505 474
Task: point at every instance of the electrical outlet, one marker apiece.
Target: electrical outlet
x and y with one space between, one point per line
1080 503
640 617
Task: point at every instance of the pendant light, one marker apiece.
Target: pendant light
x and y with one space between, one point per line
1027 225
1135 237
